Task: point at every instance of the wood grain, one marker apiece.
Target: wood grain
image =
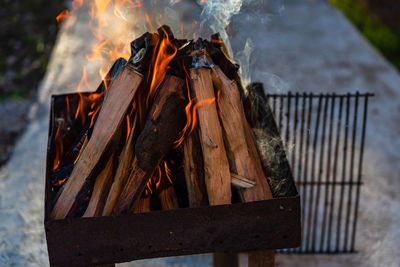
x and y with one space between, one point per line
242 152
216 165
111 116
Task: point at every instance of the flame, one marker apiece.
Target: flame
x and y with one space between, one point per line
166 53
63 15
59 148
80 151
191 111
128 127
168 172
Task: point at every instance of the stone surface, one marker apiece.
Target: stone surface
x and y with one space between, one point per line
13 119
308 47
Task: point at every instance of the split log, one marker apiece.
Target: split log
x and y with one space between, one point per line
166 192
123 170
111 116
168 198
269 142
244 159
242 150
101 187
216 166
142 204
165 121
194 172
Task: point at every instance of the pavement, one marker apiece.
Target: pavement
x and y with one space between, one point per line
302 46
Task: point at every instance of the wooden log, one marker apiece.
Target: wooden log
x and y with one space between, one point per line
194 172
168 198
242 150
111 116
123 169
142 204
244 159
165 190
216 166
164 122
269 143
262 258
221 259
101 187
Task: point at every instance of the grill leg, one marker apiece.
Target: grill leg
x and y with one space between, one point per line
225 259
262 258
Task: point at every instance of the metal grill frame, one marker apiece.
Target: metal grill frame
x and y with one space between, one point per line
324 138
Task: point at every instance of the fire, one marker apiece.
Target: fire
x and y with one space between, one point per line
166 53
63 15
168 172
59 148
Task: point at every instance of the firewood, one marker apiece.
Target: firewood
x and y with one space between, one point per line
225 259
165 120
168 198
123 170
166 192
111 116
216 165
269 142
262 258
242 150
194 172
101 187
142 204
243 158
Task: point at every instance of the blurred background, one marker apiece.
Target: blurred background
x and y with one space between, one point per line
290 45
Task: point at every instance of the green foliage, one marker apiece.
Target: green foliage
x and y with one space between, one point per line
371 24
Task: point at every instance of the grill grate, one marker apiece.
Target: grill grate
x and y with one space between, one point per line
324 136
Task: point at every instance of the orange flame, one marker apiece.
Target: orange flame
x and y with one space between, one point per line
190 110
63 15
59 148
168 172
166 53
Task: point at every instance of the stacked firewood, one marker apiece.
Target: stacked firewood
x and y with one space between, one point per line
168 128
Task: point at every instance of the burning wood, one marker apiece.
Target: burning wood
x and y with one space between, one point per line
111 116
141 120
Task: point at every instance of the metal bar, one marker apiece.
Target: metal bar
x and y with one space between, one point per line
334 172
296 122
344 165
328 173
314 154
359 176
337 95
320 171
300 159
289 102
310 98
280 113
330 183
294 144
274 105
353 144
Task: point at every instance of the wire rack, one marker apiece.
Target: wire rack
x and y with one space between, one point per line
324 136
